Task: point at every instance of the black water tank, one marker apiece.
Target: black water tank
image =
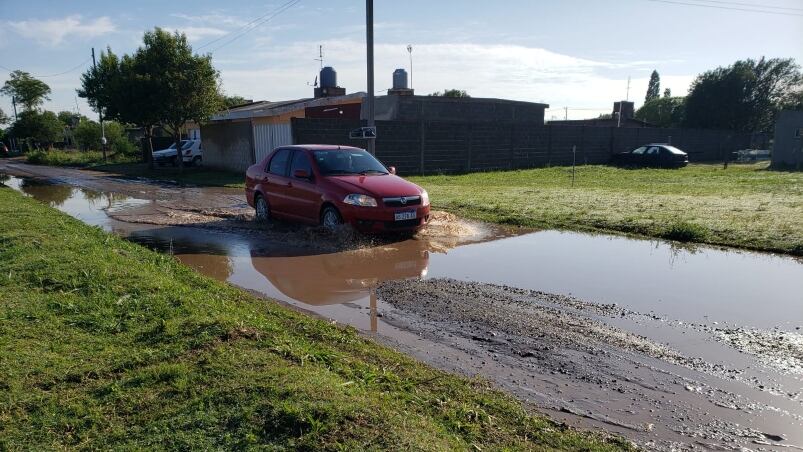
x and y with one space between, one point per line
328 77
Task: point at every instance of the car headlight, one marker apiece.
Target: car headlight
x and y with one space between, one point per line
360 200
424 198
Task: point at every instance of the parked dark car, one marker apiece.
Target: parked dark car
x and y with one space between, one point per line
330 185
653 155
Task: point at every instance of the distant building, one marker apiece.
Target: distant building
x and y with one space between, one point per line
786 147
624 108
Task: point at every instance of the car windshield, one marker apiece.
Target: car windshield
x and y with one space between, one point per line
674 150
185 144
355 161
639 150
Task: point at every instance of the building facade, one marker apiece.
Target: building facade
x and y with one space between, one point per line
786 147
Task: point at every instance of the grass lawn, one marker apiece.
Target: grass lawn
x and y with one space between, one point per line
107 345
744 205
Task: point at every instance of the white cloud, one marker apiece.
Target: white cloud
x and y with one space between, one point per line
503 71
196 33
215 19
54 31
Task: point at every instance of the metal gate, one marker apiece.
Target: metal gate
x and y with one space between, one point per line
268 137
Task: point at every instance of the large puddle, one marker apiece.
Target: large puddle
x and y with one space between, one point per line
668 284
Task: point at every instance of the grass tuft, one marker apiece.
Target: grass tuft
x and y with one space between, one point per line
682 231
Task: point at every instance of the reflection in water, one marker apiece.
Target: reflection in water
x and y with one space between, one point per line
55 195
345 276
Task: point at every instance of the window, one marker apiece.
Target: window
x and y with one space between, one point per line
352 161
278 163
652 151
300 162
640 150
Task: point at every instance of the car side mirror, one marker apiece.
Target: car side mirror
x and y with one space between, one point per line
301 174
392 169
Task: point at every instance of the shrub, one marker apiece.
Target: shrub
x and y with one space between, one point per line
684 232
88 136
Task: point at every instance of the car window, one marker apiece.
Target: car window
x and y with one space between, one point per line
674 150
354 161
300 161
186 144
652 151
640 150
278 163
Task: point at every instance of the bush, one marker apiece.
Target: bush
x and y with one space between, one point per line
76 158
684 232
87 136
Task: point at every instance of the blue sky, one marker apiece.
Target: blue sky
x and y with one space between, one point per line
572 53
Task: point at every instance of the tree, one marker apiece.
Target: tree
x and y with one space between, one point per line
667 92
233 101
745 96
654 87
28 91
450 93
3 118
88 136
189 88
38 128
663 111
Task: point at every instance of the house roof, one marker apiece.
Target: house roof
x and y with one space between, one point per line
266 108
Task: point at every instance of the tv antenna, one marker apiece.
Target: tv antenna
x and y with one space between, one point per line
320 55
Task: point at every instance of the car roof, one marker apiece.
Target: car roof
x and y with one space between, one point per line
322 147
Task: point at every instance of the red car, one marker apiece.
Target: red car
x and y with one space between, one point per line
331 185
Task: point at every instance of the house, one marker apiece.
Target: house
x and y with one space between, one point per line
624 108
787 151
237 138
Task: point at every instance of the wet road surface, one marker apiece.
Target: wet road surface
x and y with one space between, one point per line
675 347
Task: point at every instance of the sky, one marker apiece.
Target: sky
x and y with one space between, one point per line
575 54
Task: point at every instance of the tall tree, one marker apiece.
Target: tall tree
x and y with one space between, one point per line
38 128
31 93
188 84
745 96
663 111
654 87
667 92
3 118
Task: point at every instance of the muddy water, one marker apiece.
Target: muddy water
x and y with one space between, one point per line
723 313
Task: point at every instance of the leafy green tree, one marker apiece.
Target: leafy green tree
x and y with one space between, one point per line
3 118
450 93
233 101
88 136
190 88
667 92
654 87
39 129
745 96
663 111
28 91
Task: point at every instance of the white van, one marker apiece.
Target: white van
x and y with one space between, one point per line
191 152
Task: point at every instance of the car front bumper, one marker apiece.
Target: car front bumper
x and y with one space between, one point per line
382 219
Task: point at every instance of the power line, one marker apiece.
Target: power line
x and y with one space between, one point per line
778 13
756 5
79 66
242 31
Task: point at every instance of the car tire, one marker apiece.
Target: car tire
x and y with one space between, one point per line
262 209
330 218
196 161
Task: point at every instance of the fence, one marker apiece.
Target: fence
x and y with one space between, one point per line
427 147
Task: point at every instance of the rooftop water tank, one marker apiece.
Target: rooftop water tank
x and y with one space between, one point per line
328 77
400 79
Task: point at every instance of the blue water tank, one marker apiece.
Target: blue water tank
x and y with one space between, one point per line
400 79
328 77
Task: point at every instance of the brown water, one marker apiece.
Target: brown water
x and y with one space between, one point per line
684 293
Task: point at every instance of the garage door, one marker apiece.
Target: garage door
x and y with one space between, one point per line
268 137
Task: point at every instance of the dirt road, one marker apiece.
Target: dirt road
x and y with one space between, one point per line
665 383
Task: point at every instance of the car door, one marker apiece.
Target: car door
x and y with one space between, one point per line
651 156
303 196
274 184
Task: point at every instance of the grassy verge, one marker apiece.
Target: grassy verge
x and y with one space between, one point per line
188 175
105 344
58 157
744 206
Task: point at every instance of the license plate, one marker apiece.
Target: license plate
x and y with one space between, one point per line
401 216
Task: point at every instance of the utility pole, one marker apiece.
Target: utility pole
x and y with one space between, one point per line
410 51
100 116
369 37
627 99
13 138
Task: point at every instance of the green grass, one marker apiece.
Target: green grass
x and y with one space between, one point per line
188 175
744 206
72 157
107 345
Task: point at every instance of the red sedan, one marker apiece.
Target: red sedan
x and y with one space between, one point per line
332 185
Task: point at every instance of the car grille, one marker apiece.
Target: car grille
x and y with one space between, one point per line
397 201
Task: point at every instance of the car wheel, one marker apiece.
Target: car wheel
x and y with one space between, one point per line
196 161
262 208
330 218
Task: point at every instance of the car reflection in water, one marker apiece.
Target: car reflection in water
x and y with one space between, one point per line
343 277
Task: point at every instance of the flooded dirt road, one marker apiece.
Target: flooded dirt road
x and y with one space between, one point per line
674 347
